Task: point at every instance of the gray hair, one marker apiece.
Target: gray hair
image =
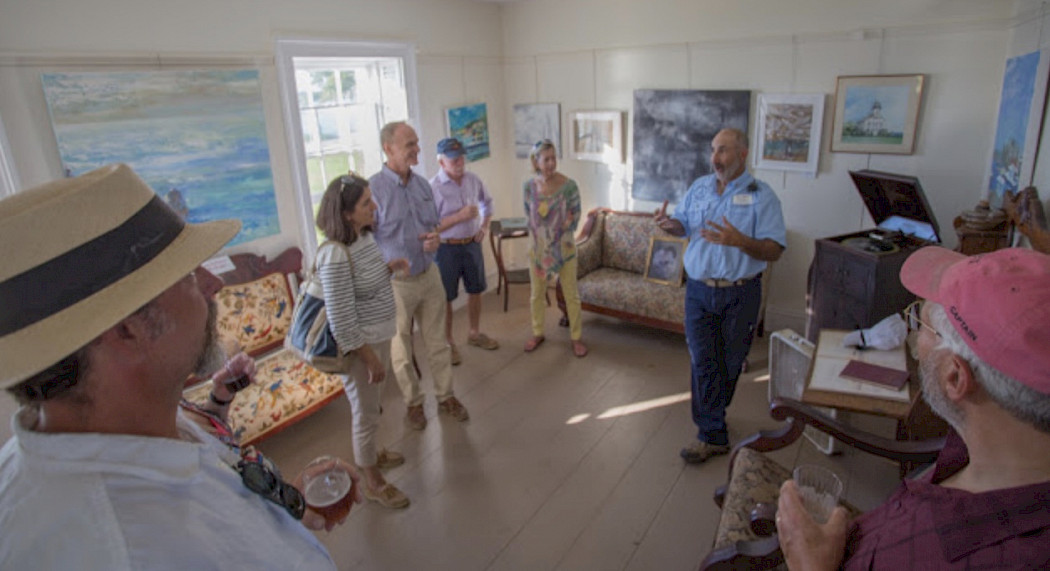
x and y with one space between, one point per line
1020 400
386 134
741 137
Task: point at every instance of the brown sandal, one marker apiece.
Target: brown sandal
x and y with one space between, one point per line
533 343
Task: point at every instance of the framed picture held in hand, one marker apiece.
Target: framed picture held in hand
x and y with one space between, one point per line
663 264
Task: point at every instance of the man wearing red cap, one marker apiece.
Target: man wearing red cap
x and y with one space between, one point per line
984 354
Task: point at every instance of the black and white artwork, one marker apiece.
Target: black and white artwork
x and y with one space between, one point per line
673 129
535 122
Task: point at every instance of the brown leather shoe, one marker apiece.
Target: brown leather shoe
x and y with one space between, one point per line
415 417
452 407
456 357
699 451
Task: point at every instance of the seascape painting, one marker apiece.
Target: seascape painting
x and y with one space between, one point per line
470 124
198 138
1013 156
673 130
535 122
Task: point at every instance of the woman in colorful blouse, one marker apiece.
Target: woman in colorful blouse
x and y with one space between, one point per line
360 304
552 206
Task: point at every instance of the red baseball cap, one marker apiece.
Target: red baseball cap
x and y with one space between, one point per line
998 302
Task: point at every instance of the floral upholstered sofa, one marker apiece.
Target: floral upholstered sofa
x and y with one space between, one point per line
254 314
611 250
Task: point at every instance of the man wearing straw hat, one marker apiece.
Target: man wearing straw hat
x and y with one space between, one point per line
984 357
104 312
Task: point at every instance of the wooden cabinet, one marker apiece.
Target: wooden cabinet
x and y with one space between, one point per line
851 288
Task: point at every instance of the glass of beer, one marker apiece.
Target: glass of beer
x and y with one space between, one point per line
328 488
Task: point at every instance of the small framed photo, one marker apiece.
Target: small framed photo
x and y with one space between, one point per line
876 113
598 136
789 128
663 265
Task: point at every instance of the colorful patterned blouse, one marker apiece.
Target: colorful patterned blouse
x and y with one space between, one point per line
552 225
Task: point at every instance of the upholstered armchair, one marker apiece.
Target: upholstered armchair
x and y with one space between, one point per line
743 542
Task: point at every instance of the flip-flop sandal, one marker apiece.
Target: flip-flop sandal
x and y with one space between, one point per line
533 343
579 349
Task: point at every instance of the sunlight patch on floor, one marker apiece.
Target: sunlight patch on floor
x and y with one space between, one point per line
644 405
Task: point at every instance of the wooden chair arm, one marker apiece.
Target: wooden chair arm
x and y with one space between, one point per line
918 451
761 553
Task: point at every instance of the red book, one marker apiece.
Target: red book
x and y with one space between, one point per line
869 373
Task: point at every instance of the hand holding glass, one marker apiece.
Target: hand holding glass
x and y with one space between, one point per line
820 490
328 489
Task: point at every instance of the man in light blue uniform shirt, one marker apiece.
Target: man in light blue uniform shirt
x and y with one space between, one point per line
465 207
406 227
735 227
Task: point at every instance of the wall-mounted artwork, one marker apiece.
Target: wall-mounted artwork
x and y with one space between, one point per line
535 122
788 133
876 113
198 138
1017 131
470 124
672 137
598 136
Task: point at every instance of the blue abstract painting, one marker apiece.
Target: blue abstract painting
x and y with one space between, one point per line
470 124
198 138
1024 86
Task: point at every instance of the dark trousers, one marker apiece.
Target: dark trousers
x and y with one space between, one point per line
719 327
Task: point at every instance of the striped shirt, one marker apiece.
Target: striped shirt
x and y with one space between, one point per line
357 293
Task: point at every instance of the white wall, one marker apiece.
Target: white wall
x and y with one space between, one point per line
592 54
458 59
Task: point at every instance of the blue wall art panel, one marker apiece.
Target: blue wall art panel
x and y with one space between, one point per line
197 137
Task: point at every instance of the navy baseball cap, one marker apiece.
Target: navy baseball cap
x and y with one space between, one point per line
451 148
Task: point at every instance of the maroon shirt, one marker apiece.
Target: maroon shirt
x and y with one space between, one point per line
926 526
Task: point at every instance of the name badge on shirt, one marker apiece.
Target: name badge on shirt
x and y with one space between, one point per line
743 199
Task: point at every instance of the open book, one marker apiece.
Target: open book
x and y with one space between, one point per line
832 359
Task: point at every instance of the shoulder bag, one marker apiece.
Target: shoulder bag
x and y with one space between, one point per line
310 336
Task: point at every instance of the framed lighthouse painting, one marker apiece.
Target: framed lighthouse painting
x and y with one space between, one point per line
876 113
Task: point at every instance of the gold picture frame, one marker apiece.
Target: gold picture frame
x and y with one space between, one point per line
877 113
663 262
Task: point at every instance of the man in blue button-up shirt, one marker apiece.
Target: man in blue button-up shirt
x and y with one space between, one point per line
735 227
406 227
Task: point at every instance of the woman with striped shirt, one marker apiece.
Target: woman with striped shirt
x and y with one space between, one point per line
360 304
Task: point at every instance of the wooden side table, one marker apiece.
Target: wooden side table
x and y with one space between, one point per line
497 234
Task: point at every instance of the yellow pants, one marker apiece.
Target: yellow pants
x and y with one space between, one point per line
568 289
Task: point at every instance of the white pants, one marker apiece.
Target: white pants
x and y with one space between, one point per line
364 403
421 297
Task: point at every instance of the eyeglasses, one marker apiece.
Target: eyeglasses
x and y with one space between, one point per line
261 480
911 315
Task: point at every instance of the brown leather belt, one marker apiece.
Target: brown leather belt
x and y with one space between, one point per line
458 241
718 282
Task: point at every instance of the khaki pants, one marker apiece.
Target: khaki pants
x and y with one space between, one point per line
538 299
421 297
364 404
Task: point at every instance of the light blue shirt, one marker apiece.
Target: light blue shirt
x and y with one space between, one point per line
405 212
452 197
756 213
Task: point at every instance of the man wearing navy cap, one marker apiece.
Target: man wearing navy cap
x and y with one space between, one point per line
465 208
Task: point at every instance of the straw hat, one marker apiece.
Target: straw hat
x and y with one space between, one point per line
80 254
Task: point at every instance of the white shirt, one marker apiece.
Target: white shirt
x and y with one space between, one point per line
107 501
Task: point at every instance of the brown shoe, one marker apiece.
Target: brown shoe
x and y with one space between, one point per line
456 357
387 459
699 451
483 341
452 407
415 417
388 496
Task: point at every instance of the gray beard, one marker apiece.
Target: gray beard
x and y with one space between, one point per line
938 401
212 357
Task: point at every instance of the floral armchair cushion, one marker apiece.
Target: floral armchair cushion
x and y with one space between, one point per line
625 241
255 316
285 390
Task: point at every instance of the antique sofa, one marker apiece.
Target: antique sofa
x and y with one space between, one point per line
254 314
611 250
